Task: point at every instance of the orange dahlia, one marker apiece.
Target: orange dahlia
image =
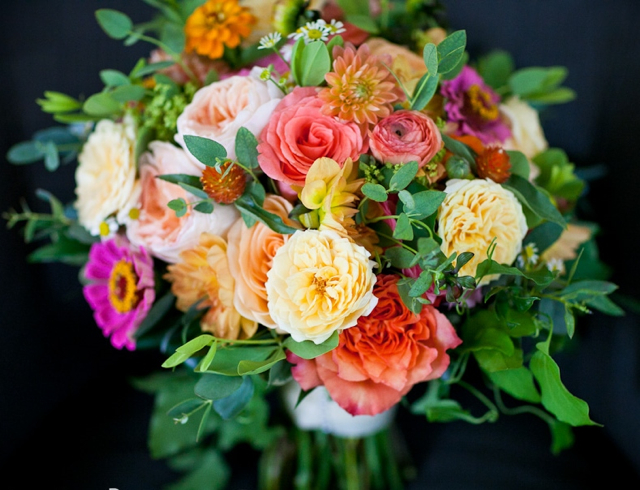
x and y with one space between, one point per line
216 24
360 88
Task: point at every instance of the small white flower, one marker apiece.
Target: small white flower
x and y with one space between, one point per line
555 265
270 40
312 31
336 27
106 230
529 255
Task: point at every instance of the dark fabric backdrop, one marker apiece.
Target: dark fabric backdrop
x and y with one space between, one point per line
69 418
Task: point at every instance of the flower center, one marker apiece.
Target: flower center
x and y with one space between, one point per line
215 17
314 34
481 103
122 287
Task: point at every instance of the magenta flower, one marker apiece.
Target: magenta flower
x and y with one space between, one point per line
472 106
121 288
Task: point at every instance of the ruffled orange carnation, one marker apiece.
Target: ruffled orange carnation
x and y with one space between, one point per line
216 24
360 88
203 275
380 359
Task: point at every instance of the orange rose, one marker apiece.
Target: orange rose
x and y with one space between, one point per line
380 359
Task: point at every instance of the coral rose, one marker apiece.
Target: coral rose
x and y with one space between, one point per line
157 228
250 253
106 173
472 215
319 283
299 133
203 272
220 109
405 136
378 361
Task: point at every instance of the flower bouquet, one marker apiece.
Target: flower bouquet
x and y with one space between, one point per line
321 212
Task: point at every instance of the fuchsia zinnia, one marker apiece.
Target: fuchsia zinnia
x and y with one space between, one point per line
472 106
121 290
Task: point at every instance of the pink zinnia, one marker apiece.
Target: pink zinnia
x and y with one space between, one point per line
472 106
121 289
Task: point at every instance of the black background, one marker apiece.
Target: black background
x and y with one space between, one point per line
69 418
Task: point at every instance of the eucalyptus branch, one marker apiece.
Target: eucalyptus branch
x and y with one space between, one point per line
175 57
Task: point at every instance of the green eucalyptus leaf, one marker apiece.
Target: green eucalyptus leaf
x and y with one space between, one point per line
235 403
364 22
116 24
399 257
247 204
375 192
519 164
544 235
187 350
25 152
151 68
460 149
451 51
404 175
205 150
246 148
426 203
536 200
430 57
257 367
424 91
128 93
114 78
172 35
205 207
101 105
51 157
216 386
308 349
496 68
404 229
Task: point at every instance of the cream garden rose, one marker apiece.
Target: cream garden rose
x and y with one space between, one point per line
526 132
106 173
218 110
473 214
319 283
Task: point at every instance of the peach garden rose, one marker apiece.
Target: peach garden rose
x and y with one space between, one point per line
378 361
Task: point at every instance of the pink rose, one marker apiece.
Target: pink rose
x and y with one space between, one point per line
217 111
157 228
405 136
380 359
299 133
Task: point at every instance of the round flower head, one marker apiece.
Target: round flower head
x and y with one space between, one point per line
380 359
474 213
215 25
472 107
360 89
120 289
319 282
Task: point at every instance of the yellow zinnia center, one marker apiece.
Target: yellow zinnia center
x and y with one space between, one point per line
481 103
122 287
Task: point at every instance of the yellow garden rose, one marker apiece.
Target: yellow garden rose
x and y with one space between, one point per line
319 282
472 215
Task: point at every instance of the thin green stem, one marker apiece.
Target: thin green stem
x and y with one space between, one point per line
398 242
520 410
351 464
175 57
480 396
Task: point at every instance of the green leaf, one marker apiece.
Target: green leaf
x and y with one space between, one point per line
187 350
403 177
172 35
51 157
516 382
101 105
25 152
296 60
451 51
127 93
496 68
116 24
179 206
56 102
216 386
582 290
422 284
528 80
399 257
570 321
315 63
561 436
364 22
430 57
247 204
542 277
257 367
375 192
206 151
404 287
228 358
65 250
460 149
424 91
557 96
426 203
205 207
191 180
246 148
605 305
234 404
492 361
310 350
195 190
404 230
519 164
536 200
544 235
114 78
184 408
555 397
151 68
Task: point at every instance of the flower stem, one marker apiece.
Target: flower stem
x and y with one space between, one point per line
351 464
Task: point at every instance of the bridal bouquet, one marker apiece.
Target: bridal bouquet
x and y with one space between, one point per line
323 198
